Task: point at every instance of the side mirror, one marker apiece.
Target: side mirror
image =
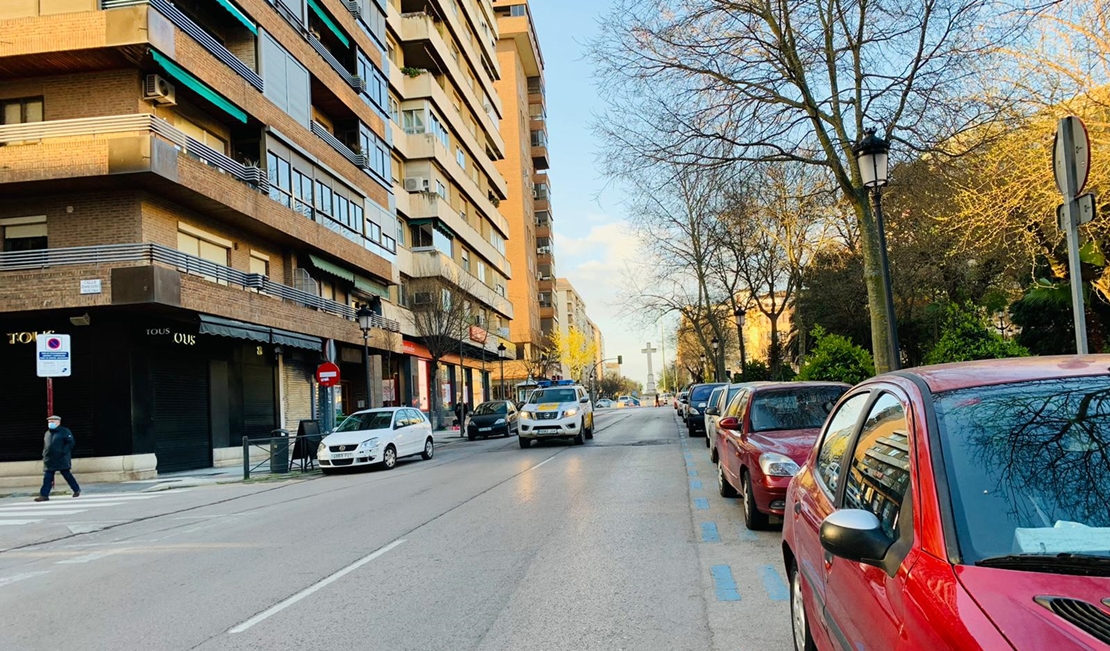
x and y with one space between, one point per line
729 423
584 400
712 411
855 535
398 425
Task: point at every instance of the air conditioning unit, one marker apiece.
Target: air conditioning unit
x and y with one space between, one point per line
417 184
157 89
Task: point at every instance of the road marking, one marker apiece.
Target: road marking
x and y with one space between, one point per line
723 583
12 523
44 512
709 532
17 508
695 484
773 584
747 534
691 473
89 557
323 583
7 580
543 462
701 504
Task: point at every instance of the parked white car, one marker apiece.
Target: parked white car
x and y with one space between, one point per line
557 412
374 436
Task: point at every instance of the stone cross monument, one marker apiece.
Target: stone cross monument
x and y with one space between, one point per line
650 387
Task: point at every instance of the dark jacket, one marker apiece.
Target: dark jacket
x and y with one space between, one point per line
58 451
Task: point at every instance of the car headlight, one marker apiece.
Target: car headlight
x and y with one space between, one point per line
322 449
570 412
369 443
528 415
499 421
778 465
694 411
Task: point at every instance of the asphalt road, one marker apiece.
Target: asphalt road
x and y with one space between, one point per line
619 544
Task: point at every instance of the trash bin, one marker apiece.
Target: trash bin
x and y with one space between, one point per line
279 452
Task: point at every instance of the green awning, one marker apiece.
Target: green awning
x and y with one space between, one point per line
323 15
335 270
214 325
296 340
198 86
371 286
239 15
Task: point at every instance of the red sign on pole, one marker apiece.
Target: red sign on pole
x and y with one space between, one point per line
327 375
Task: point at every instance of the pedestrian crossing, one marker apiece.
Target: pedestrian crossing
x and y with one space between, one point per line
61 509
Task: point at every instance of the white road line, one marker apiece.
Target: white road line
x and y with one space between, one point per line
6 580
17 508
323 583
46 512
11 523
543 462
88 557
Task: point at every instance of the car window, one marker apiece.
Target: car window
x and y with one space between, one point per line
715 397
880 472
803 407
402 418
737 404
728 396
415 417
838 433
700 393
490 408
371 420
553 395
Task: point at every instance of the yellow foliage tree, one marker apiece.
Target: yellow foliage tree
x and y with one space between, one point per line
576 351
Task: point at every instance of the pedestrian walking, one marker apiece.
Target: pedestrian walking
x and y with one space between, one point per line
57 456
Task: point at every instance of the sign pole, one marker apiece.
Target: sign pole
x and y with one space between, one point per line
49 397
1066 166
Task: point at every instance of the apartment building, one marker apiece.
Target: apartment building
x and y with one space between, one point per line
445 118
524 167
199 193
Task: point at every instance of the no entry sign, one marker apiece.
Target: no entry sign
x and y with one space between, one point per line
327 375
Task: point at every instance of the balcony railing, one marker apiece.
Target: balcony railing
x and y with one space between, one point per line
354 81
163 255
135 122
358 160
198 34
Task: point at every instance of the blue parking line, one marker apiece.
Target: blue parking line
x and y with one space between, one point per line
688 455
747 534
695 484
709 532
692 473
723 583
701 504
773 584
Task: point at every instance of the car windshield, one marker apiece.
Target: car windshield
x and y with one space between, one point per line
1028 467
793 408
701 393
541 396
370 420
490 408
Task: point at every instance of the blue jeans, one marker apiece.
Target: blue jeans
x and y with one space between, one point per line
48 481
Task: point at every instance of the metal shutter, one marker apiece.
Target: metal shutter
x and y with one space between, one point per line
258 401
179 383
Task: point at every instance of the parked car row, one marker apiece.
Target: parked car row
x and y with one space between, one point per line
964 506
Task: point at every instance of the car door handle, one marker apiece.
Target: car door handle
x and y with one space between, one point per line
797 508
828 560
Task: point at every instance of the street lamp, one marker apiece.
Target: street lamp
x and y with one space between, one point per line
501 356
702 367
740 314
872 154
716 371
366 318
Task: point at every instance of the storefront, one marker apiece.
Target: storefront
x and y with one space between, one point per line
418 381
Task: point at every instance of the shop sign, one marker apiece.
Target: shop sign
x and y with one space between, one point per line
478 334
26 337
408 348
178 337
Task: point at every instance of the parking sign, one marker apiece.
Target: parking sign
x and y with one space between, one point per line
53 353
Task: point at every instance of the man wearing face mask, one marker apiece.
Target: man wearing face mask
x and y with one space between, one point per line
57 454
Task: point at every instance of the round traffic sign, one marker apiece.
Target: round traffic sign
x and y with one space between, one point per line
54 343
327 374
1075 159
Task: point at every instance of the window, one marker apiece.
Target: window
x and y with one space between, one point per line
838 433
497 241
443 242
412 121
518 10
394 110
441 189
460 157
23 233
403 293
206 246
327 290
281 181
737 405
421 236
880 472
21 111
260 263
200 134
500 290
324 199
401 231
482 271
373 231
287 82
302 193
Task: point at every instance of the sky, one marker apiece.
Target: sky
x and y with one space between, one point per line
593 242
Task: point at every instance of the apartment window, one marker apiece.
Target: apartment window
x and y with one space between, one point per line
281 181
260 263
412 121
21 111
438 130
443 242
343 211
421 236
287 81
518 10
327 290
204 245
482 271
441 189
200 134
324 200
23 233
460 157
539 139
394 110
466 260
302 193
401 231
373 231
497 241
500 290
403 293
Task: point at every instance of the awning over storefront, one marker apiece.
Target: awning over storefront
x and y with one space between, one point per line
219 326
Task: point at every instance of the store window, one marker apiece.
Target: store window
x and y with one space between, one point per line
23 233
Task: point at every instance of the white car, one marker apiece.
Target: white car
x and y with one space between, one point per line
557 412
375 436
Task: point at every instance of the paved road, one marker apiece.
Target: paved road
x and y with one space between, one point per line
619 544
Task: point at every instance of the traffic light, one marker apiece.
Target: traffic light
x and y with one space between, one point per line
620 360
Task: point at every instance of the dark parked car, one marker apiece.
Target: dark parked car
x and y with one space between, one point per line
493 418
958 507
697 400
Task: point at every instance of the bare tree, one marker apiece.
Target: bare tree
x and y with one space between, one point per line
712 82
441 314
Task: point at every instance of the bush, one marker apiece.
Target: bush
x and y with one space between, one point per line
836 359
965 336
754 371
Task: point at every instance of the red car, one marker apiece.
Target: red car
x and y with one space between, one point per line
765 434
964 506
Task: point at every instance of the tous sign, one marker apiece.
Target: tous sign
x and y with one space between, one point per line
178 337
26 337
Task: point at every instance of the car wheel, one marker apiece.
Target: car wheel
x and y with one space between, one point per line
525 443
471 437
724 486
327 471
588 430
707 439
579 438
389 457
803 640
689 430
754 519
713 458
429 449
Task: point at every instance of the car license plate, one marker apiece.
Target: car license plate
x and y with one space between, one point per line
485 429
342 455
548 431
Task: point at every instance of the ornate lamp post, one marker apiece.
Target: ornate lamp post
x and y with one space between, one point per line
740 314
872 153
716 359
501 356
366 318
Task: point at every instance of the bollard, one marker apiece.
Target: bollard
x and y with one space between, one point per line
246 458
279 452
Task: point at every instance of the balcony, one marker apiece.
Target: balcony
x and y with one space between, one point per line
429 205
360 161
353 80
429 262
156 254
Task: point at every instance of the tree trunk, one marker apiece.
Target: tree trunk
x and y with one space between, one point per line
433 398
873 280
775 353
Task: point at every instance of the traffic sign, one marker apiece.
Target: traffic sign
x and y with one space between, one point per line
1071 130
53 355
329 350
327 375
1085 207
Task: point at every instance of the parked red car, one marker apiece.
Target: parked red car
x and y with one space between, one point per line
964 506
765 434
